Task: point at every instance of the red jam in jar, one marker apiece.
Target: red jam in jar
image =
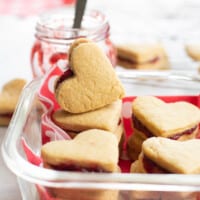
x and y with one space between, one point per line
54 35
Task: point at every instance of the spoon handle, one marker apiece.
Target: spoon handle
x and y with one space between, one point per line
79 11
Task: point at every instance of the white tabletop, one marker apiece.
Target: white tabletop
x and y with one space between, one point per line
9 189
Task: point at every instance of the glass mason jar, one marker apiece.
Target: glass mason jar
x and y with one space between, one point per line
54 34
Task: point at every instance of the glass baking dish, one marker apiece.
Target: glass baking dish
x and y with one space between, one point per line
35 181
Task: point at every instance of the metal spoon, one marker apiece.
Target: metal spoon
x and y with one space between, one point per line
79 12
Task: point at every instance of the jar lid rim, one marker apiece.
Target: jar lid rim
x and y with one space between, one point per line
47 20
52 25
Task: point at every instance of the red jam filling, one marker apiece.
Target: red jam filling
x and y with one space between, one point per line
152 61
152 168
68 73
7 115
186 132
76 168
139 126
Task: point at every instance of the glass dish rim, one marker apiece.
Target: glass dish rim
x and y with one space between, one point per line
23 169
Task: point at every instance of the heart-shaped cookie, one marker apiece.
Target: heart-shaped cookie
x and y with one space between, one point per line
8 99
174 156
92 150
94 83
106 118
164 119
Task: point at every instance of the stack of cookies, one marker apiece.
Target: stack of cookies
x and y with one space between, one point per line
152 117
89 95
164 141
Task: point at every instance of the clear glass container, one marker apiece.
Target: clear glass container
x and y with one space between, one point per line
55 33
35 181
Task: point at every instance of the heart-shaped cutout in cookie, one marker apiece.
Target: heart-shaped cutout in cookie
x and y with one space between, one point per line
165 119
94 83
174 156
92 150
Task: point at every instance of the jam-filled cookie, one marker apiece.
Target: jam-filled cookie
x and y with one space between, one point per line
142 56
92 83
8 99
163 155
92 150
107 118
